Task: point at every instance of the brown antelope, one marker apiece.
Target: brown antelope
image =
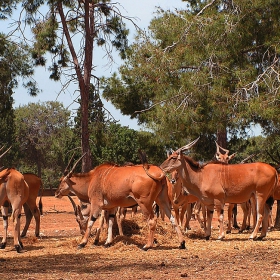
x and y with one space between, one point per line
82 212
181 200
223 157
247 207
30 206
14 189
276 194
112 186
82 216
234 183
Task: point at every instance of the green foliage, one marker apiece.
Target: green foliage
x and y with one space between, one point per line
121 145
45 136
6 8
200 73
260 148
45 34
108 30
15 62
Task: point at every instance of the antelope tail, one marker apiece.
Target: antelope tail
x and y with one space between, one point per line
152 176
40 200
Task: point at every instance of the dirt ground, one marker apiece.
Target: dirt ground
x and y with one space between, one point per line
55 255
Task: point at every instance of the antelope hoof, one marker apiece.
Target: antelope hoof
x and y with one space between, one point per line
107 245
3 245
236 226
96 242
145 248
260 238
207 237
81 246
18 248
228 231
182 245
240 231
23 235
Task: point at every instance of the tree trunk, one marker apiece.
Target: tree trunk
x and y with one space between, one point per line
89 30
222 138
86 161
277 220
84 80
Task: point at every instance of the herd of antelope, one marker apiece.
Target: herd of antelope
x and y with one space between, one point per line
109 189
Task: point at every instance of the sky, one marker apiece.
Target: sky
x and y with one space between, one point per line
142 11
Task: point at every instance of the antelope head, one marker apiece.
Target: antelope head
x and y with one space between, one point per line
225 158
81 215
66 182
173 161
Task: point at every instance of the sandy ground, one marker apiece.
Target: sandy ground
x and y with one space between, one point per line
54 255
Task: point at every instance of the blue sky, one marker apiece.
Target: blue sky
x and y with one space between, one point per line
142 11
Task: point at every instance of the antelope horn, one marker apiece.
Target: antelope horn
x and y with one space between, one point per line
170 152
68 175
186 147
218 148
5 151
223 149
66 169
73 203
247 158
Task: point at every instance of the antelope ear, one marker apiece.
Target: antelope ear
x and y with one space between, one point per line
4 177
232 156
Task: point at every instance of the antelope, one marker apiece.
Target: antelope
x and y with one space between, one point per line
14 189
247 206
180 199
82 216
30 206
109 186
234 183
223 157
82 213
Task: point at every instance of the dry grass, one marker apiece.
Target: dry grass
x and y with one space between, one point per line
55 254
